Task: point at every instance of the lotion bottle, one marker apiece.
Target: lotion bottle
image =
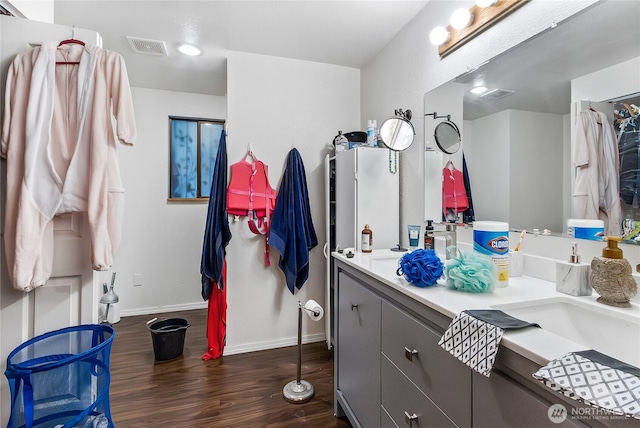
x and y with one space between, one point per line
366 239
572 276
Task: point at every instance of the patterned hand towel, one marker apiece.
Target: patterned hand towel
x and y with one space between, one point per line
473 337
596 380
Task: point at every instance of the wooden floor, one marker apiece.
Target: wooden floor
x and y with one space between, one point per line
242 390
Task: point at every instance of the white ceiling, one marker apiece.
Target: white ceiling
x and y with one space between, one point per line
347 32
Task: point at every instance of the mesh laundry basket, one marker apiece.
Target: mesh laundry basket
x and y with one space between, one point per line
61 378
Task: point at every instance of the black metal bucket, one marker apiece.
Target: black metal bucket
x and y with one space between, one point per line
168 337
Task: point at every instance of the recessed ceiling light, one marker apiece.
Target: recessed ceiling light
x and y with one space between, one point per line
190 50
478 90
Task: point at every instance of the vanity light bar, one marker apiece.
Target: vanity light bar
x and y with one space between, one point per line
483 18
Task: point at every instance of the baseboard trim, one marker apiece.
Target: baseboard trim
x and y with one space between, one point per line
162 309
228 350
272 344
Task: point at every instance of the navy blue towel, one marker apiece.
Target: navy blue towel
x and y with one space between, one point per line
217 233
292 233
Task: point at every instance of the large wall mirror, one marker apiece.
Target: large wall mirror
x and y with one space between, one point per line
516 136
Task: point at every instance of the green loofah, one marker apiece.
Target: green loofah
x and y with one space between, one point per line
472 272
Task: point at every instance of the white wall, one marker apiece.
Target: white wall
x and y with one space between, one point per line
161 240
535 194
616 81
275 104
487 144
409 66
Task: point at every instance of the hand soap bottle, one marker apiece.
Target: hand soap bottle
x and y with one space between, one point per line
573 277
611 276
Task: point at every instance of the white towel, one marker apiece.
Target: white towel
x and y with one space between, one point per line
472 341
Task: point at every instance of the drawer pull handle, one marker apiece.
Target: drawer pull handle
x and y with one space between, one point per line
409 353
410 418
354 306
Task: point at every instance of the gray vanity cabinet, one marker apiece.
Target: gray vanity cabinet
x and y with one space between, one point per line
391 372
443 382
358 349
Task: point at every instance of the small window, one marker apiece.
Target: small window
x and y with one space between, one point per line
193 149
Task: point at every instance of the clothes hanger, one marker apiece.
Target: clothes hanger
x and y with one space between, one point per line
71 41
249 154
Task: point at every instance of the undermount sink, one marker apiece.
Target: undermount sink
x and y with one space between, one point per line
611 331
384 265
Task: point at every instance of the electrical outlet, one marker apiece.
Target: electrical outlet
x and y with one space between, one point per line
137 279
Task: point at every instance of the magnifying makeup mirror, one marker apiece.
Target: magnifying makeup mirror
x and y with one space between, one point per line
447 134
397 132
447 137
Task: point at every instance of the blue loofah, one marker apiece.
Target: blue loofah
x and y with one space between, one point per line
472 272
421 268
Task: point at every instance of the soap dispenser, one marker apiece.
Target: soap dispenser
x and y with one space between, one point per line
573 277
611 276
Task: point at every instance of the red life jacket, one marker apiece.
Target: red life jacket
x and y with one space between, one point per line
454 194
249 194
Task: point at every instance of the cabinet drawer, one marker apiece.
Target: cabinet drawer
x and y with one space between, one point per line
401 400
413 348
499 401
359 350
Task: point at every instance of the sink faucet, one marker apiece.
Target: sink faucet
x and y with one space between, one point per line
450 238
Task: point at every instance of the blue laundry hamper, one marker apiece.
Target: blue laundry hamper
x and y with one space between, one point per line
62 378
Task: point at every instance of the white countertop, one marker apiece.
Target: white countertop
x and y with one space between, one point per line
537 344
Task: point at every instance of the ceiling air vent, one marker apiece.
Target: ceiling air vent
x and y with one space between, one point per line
147 46
497 94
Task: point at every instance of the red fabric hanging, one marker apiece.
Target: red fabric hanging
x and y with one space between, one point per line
217 318
454 194
250 194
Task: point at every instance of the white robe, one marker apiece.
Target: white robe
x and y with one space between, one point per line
596 192
59 140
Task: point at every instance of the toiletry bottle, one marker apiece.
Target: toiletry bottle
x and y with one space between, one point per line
428 240
611 276
371 133
366 240
572 276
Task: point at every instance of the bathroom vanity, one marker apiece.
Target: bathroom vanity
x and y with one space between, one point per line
390 370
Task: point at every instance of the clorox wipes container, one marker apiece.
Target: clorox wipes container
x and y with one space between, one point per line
492 239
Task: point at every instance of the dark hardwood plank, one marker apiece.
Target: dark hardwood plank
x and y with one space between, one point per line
242 390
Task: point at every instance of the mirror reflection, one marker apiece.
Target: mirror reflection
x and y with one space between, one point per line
447 137
517 135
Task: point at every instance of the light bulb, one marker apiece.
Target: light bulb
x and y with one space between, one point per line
478 90
485 3
461 18
189 50
438 36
